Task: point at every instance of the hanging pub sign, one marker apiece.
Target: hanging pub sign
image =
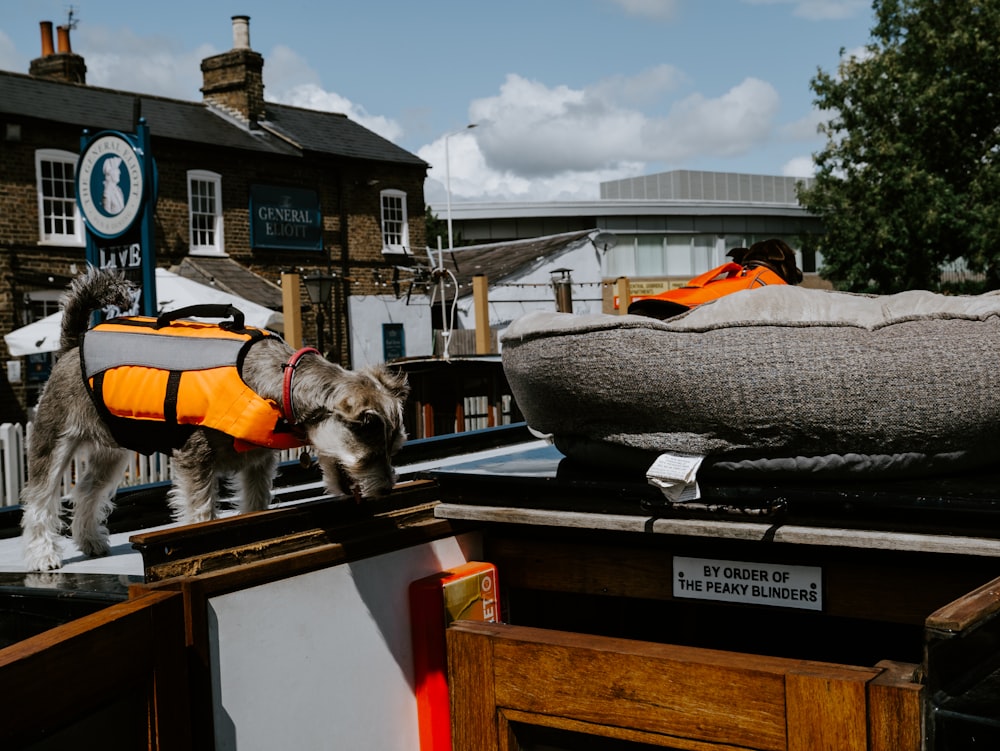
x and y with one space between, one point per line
283 218
116 194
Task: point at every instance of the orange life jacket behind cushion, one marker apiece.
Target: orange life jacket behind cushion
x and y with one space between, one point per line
723 280
154 385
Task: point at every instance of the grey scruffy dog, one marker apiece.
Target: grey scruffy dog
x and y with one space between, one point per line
352 419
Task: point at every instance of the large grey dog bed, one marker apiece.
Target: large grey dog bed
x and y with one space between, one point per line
775 380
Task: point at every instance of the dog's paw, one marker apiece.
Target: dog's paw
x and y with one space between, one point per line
43 561
94 547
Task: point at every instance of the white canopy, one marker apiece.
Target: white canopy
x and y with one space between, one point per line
172 292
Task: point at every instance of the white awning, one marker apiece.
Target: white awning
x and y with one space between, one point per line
172 292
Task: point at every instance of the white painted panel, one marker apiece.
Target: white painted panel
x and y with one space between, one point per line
369 312
323 660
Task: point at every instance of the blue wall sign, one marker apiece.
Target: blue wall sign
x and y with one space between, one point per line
393 341
283 218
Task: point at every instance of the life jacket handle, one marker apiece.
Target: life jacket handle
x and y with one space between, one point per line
207 310
730 269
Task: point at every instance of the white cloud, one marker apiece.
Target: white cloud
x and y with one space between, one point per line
119 59
535 141
471 178
820 10
313 97
800 166
858 54
9 59
536 130
533 130
662 10
284 69
729 125
806 128
289 79
644 88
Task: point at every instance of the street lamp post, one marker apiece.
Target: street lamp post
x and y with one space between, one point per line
319 287
447 176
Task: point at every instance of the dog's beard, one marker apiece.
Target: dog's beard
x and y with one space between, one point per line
355 462
359 481
336 480
355 431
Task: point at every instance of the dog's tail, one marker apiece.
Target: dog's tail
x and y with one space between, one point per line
93 290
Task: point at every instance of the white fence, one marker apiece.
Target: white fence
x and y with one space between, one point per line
142 470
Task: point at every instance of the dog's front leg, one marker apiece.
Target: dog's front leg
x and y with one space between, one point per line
195 493
255 479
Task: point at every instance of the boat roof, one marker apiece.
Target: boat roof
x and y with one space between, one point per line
510 475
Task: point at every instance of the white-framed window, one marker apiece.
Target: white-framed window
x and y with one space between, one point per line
205 213
59 221
395 228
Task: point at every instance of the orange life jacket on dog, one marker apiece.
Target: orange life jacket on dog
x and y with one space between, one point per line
723 280
154 384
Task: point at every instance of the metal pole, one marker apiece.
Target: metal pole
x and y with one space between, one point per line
447 177
564 295
447 184
147 230
319 329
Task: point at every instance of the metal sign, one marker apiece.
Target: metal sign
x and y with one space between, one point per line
283 218
116 193
773 584
111 184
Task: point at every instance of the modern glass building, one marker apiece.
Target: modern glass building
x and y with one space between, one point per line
670 225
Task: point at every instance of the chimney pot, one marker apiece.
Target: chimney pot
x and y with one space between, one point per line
46 29
61 65
241 32
63 35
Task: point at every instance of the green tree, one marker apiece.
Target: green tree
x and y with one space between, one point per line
909 175
435 228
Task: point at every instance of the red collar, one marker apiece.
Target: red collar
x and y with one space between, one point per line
287 409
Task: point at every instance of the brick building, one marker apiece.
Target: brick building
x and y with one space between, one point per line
218 162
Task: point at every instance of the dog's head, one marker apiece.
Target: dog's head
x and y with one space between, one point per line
775 254
354 421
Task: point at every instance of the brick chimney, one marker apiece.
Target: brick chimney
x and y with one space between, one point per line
234 80
61 64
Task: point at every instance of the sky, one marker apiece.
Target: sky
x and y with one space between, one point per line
564 94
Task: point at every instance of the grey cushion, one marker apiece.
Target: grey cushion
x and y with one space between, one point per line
773 380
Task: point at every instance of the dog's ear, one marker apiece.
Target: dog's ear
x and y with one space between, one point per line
366 388
778 252
395 382
738 254
771 250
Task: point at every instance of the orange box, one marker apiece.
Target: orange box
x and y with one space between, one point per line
466 592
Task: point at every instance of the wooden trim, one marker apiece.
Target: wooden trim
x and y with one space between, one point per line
680 697
967 611
727 529
202 576
132 652
895 701
897 588
304 528
826 708
259 563
511 718
471 678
